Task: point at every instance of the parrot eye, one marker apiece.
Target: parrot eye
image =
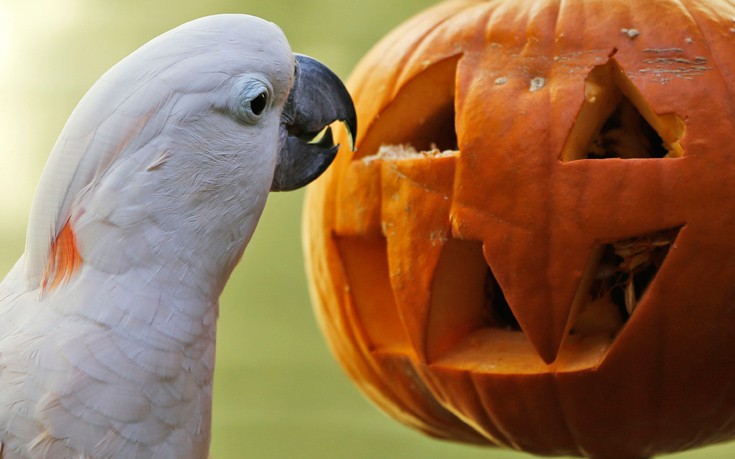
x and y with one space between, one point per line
258 104
253 99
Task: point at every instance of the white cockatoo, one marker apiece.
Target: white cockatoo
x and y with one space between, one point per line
149 197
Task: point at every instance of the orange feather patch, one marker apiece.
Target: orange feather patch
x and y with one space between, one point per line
63 260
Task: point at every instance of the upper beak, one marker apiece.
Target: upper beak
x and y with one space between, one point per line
318 98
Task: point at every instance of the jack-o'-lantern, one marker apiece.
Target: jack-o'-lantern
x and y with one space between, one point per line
533 245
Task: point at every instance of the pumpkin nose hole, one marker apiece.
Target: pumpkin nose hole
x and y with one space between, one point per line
615 121
624 272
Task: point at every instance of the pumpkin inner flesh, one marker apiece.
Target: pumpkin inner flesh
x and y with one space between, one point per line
366 264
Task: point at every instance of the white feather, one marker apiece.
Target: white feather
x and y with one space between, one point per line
162 186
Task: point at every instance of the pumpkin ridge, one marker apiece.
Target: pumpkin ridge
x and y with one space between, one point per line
490 413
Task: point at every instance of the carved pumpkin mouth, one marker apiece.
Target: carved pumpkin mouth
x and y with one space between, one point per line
469 319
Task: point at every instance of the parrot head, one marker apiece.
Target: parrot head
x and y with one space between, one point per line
173 151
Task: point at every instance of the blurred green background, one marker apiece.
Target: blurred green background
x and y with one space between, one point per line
278 392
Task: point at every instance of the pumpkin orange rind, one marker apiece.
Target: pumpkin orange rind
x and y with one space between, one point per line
593 285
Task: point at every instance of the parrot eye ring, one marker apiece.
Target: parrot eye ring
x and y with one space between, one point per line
253 99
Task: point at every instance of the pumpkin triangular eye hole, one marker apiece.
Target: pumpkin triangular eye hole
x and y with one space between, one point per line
616 122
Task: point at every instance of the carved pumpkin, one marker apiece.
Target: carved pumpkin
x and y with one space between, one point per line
534 244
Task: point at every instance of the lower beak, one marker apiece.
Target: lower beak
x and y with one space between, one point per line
318 98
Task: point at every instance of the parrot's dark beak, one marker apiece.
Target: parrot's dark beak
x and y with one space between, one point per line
318 98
